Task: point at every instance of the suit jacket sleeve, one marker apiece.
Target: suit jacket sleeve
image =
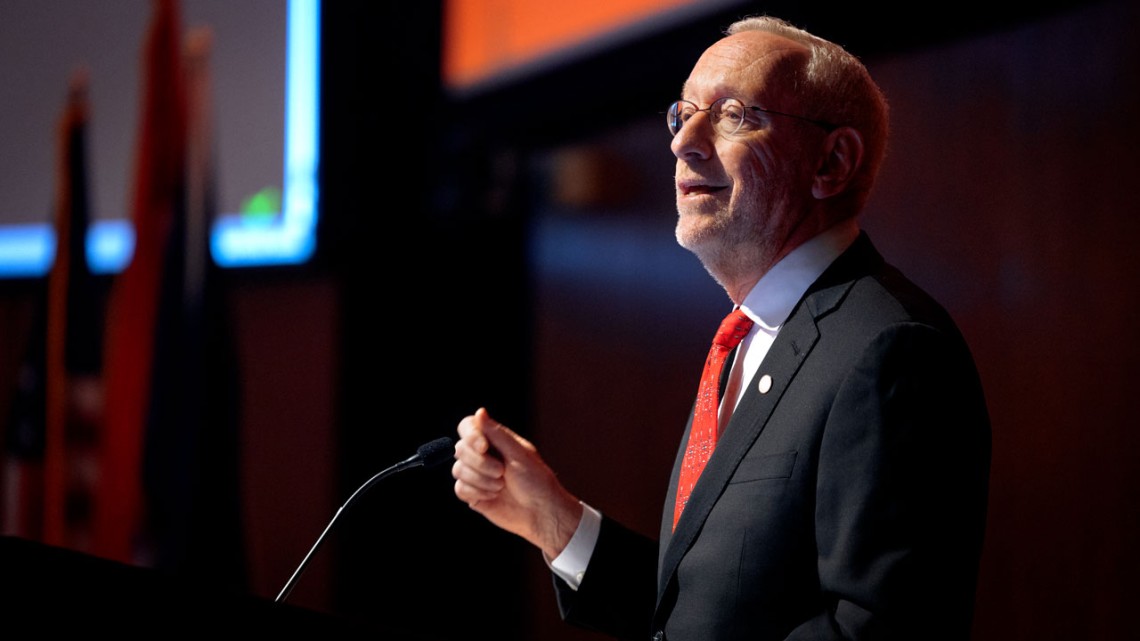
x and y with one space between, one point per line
617 592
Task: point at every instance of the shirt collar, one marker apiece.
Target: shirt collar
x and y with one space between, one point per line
777 292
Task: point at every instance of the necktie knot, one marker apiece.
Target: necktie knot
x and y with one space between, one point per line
733 329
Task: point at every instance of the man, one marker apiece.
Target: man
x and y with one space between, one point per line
845 497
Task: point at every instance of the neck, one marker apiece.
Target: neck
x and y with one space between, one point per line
738 277
738 269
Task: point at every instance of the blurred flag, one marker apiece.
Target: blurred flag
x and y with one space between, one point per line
51 467
74 392
191 457
169 495
138 292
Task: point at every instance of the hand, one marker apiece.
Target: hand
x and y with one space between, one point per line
500 475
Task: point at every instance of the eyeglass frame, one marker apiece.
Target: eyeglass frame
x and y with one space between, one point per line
826 126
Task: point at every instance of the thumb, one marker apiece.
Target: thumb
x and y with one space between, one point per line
504 440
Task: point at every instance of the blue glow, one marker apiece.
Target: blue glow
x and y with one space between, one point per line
28 250
110 245
238 241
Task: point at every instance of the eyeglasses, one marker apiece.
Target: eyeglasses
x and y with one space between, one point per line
728 115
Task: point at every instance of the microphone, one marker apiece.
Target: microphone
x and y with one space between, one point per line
428 455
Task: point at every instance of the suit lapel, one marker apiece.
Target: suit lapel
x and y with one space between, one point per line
795 341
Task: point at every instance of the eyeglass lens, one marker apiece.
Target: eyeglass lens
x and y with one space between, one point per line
727 115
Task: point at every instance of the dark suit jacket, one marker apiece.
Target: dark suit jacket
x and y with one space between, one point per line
846 502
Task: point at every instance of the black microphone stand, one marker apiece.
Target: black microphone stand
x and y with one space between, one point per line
429 454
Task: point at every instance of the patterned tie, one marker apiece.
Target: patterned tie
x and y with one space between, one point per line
703 435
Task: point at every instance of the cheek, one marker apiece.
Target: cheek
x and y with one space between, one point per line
754 168
762 161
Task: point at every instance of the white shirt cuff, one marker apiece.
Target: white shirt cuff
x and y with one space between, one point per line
570 566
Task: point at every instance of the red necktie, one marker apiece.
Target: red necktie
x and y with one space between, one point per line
703 435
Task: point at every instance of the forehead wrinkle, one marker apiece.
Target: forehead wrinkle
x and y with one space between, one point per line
736 61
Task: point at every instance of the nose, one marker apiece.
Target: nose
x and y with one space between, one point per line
695 139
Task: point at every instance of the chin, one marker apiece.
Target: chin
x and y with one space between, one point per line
703 243
696 228
689 235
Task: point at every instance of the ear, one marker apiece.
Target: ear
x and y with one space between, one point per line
842 157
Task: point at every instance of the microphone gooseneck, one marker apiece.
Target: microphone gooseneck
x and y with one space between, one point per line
427 455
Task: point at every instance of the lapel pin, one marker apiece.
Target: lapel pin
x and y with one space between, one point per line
765 384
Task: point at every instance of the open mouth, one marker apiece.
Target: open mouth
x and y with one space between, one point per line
698 189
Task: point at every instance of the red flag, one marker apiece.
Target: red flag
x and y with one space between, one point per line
133 306
73 392
50 459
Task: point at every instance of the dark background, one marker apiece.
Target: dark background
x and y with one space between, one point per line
514 250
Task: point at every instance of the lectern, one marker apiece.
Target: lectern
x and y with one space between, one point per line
45 589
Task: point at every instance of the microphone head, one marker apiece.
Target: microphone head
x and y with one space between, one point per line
436 452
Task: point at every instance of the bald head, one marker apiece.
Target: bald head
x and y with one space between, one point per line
833 85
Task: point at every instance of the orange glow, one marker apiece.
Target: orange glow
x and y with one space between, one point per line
482 37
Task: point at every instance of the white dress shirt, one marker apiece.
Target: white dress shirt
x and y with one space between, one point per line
768 305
